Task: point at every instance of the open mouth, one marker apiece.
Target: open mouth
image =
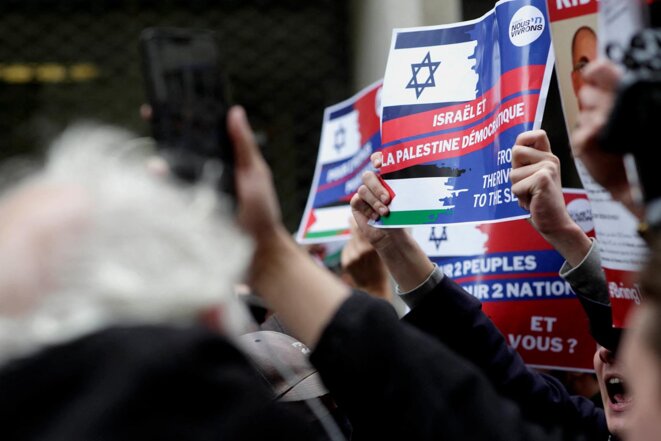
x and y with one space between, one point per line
617 392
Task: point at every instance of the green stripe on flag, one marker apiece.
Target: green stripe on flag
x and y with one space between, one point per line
333 259
415 217
329 233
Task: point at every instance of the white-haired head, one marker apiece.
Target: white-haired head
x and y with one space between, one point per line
93 240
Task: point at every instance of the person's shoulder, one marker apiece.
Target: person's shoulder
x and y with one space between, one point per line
131 351
138 380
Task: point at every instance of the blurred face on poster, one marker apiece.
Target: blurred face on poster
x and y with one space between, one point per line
583 50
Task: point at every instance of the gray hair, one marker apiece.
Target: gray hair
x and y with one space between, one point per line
150 251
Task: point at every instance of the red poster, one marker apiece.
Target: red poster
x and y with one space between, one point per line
514 272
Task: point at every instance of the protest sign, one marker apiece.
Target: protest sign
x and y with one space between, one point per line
513 271
455 97
349 135
574 28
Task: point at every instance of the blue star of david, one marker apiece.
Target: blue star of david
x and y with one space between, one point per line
429 82
340 138
437 240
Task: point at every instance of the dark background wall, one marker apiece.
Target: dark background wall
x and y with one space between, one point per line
65 60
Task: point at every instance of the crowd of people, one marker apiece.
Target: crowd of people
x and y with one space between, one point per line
119 317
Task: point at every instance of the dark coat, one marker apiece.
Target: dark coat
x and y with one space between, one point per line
396 382
141 383
454 317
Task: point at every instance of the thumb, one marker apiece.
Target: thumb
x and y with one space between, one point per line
358 234
246 152
360 224
377 159
603 74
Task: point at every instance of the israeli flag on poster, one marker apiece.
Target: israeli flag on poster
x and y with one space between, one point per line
455 97
349 135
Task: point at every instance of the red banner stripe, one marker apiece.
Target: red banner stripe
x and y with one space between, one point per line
564 9
404 155
368 119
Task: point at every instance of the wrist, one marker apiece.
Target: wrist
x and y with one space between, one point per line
570 241
380 292
392 239
395 241
381 289
270 248
268 239
407 262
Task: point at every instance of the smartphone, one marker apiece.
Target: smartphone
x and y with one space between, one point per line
188 95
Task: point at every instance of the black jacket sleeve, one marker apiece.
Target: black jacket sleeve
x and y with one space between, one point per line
588 281
395 382
454 317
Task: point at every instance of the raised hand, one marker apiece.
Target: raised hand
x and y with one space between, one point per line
596 98
535 180
405 260
362 263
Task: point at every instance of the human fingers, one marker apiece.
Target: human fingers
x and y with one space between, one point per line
375 185
258 206
362 208
584 137
595 98
374 193
246 151
602 73
536 139
592 121
522 191
523 155
348 253
579 139
520 173
542 180
358 238
371 199
355 246
377 159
